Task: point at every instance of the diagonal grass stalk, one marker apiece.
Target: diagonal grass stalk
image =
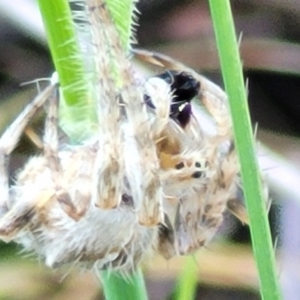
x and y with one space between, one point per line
69 64
64 46
234 84
188 280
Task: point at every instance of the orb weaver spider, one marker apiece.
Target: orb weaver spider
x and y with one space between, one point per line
152 179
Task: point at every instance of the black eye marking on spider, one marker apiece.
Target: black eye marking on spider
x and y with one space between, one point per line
179 166
197 164
181 113
184 88
128 200
197 174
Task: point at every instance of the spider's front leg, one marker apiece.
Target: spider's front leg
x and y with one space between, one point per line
215 101
19 215
148 132
108 174
127 158
51 153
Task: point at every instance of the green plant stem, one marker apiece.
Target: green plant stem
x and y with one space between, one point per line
116 287
234 83
122 12
188 280
76 115
64 47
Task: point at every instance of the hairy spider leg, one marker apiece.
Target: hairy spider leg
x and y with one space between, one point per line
21 213
51 153
140 157
109 166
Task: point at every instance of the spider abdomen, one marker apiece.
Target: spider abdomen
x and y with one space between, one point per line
99 236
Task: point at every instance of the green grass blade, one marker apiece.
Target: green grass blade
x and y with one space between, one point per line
116 287
188 280
68 61
122 12
64 47
234 84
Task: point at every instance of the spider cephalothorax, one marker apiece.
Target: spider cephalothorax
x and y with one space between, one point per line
151 178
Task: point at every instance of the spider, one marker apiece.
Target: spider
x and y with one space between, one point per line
152 178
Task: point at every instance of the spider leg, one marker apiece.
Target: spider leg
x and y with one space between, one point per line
138 161
10 138
109 164
150 191
54 164
166 236
237 208
22 212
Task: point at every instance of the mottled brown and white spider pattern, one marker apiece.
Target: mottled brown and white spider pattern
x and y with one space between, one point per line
151 179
